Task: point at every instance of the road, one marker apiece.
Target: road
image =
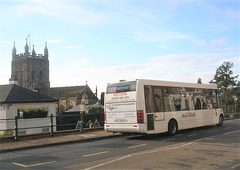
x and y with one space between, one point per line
209 147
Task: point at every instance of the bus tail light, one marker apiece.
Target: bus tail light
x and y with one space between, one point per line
140 116
105 117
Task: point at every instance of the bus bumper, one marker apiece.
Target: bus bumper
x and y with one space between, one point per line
125 128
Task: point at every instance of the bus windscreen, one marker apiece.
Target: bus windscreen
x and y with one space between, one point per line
121 87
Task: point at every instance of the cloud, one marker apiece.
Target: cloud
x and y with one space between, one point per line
228 49
225 13
212 43
218 41
182 62
200 42
80 62
231 13
79 46
173 67
54 41
158 35
69 11
164 47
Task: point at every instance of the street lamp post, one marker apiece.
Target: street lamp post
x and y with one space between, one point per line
82 111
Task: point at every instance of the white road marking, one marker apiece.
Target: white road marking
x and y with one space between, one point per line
142 153
235 166
192 135
107 162
159 150
212 131
231 132
209 138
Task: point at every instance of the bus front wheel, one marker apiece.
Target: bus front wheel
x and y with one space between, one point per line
221 119
172 127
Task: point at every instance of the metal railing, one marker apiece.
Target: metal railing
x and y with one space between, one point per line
79 125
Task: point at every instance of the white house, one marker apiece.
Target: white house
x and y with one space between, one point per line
15 100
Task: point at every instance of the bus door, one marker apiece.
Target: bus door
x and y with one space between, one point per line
154 105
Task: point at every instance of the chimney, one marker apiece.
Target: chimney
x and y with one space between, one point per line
13 81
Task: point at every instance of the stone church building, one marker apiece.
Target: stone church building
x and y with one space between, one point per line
31 71
71 96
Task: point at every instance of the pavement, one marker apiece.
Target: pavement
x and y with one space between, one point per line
55 140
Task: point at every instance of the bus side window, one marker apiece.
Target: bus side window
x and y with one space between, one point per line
211 99
215 100
168 103
197 104
191 102
158 99
148 99
177 103
153 99
186 104
204 105
168 100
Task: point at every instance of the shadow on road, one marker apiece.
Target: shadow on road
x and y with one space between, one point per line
183 135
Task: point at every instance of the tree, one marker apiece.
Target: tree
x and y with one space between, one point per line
236 98
226 83
199 81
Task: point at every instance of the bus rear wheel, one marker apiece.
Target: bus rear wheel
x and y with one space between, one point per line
221 119
172 127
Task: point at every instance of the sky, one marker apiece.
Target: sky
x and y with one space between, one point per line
104 41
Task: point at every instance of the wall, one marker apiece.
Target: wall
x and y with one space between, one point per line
2 116
11 112
30 123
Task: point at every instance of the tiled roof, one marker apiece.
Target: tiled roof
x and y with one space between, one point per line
16 94
77 108
66 91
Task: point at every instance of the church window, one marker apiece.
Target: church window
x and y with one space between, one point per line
41 75
33 75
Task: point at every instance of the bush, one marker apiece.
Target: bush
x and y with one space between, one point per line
236 115
29 113
8 132
94 110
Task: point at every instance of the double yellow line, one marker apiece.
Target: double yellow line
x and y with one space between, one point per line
28 166
44 163
136 146
99 153
95 154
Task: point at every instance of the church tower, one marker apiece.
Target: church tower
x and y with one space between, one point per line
31 70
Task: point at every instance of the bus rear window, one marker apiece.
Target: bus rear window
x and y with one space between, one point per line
121 87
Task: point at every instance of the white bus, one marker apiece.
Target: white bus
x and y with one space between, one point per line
150 106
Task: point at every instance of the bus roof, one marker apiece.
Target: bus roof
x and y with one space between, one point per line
170 84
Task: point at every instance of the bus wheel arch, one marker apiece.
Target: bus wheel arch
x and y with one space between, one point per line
172 127
221 119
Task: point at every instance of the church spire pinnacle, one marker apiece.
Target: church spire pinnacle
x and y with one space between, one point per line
46 51
26 48
14 51
33 52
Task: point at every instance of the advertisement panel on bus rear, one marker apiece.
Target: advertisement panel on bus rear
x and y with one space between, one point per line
120 97
121 112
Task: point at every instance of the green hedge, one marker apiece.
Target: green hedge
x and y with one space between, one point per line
29 113
95 110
